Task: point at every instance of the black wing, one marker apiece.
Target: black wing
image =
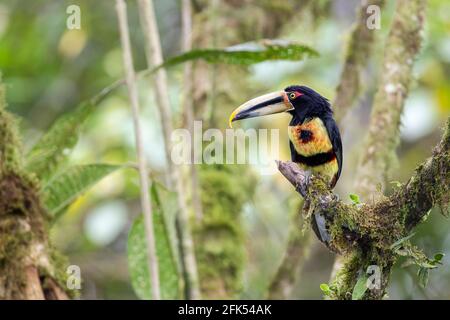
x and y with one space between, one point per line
293 152
336 142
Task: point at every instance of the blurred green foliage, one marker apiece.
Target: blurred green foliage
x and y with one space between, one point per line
49 70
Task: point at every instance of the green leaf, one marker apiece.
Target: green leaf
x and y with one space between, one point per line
360 287
65 187
137 253
168 201
438 257
396 183
397 243
354 198
55 145
423 275
431 264
247 53
325 289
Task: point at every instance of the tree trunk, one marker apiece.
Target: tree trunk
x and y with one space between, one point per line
297 251
29 268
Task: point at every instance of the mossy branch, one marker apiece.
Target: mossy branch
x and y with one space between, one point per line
366 232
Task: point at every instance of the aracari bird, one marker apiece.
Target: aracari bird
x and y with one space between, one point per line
315 141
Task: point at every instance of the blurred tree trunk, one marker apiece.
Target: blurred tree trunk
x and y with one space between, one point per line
154 58
188 107
402 46
219 238
146 205
297 251
357 57
29 266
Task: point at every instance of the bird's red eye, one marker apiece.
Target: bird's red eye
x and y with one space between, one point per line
294 95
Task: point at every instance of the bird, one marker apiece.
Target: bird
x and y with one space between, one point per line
314 137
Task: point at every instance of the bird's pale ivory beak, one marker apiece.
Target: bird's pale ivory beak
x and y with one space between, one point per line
270 103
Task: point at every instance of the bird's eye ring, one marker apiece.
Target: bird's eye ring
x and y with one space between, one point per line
292 95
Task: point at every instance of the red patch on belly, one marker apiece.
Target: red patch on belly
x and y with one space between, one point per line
306 136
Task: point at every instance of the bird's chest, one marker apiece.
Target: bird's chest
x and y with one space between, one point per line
310 137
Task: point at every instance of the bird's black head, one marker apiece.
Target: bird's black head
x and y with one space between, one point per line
307 103
300 101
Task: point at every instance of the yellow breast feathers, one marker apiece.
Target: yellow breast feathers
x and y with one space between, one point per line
310 137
